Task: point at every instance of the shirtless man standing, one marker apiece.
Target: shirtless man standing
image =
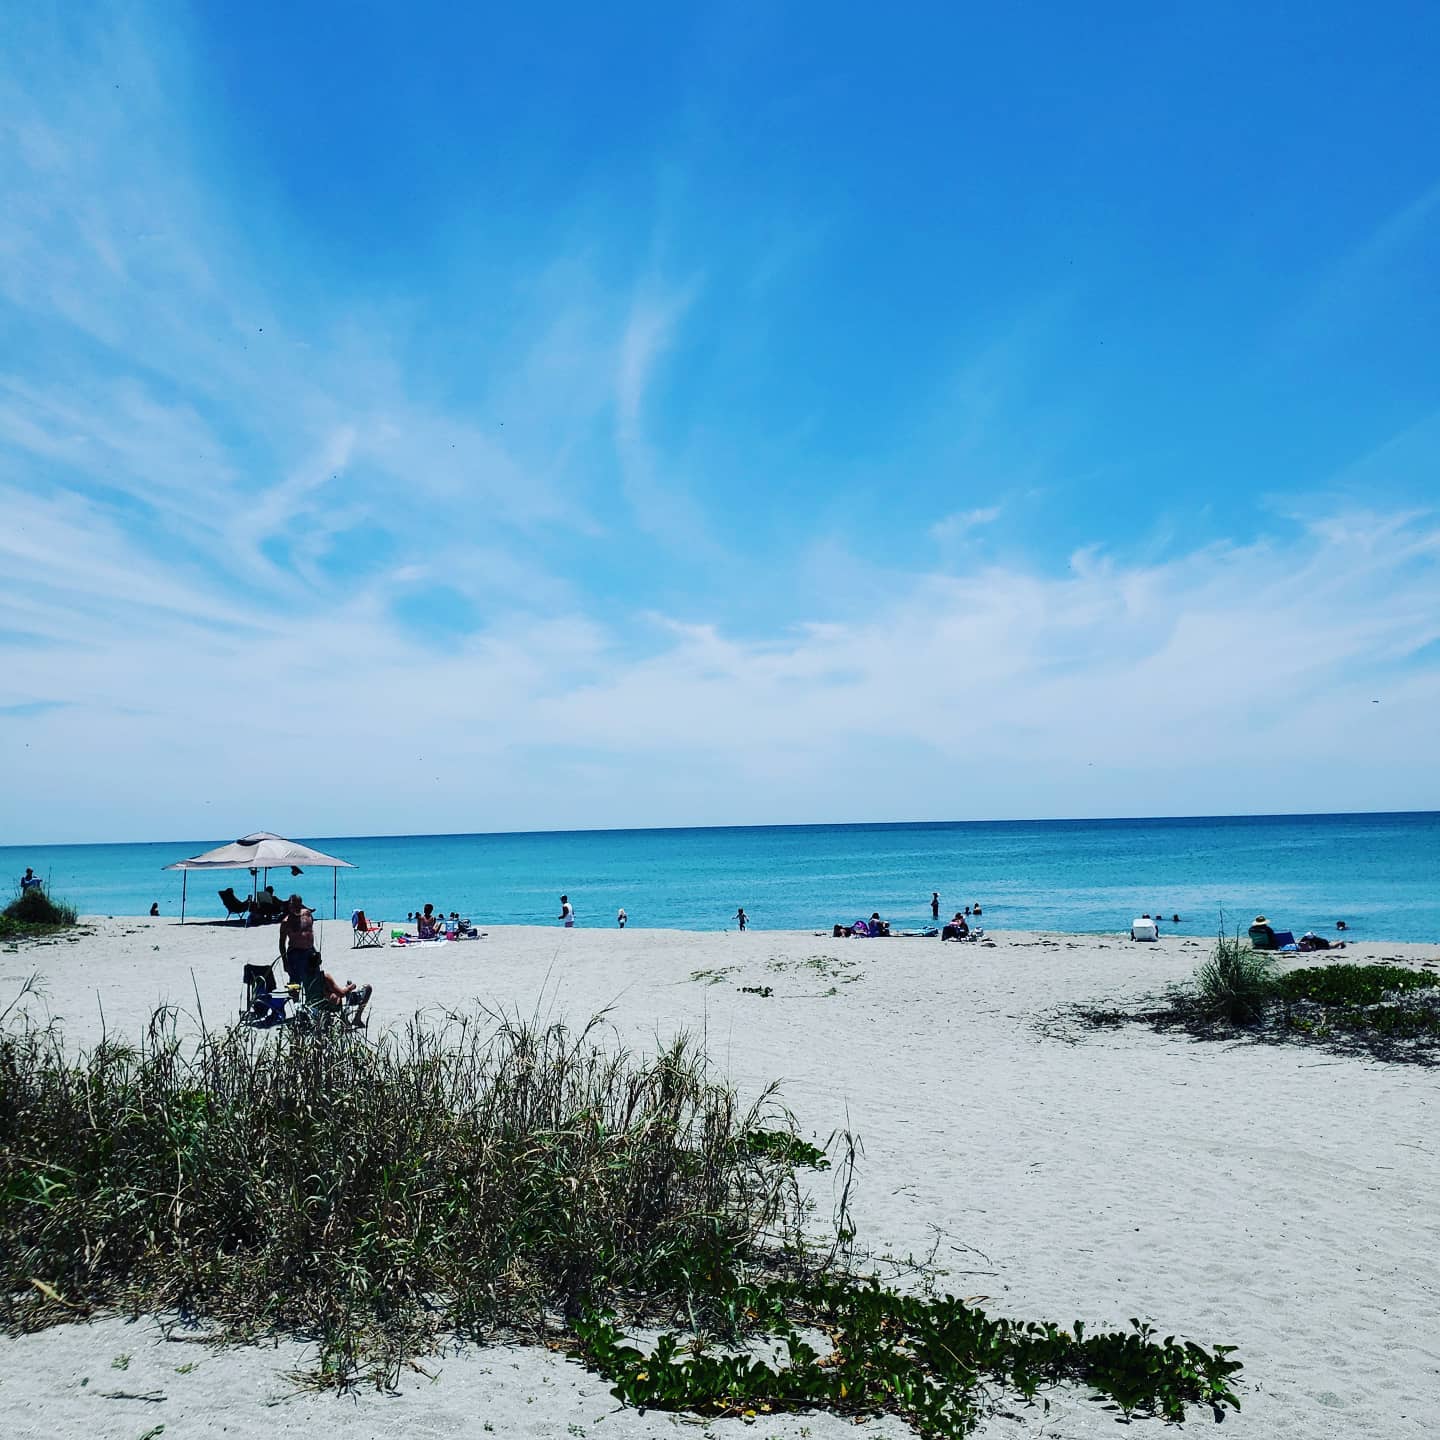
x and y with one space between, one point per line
297 941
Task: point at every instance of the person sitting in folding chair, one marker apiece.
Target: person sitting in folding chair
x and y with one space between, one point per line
324 996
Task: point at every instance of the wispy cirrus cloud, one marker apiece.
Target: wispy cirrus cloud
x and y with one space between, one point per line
174 398
30 709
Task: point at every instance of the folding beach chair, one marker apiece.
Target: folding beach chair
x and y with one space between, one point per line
366 934
235 907
317 1009
264 1004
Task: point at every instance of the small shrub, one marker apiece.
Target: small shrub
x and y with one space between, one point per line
34 907
1236 983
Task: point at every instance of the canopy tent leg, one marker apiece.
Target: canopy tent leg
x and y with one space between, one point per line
334 893
184 886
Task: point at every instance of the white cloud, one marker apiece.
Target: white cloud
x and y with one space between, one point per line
959 527
1229 678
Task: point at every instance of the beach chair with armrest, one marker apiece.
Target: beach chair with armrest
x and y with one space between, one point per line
235 907
1262 937
266 906
263 1003
367 934
318 1009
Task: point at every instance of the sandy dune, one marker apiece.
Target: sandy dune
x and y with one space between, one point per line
1275 1198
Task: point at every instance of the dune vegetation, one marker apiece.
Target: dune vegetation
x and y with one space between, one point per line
33 913
480 1178
1391 1012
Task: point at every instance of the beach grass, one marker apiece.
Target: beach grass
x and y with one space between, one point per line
33 913
1236 983
369 1195
482 1177
1388 1011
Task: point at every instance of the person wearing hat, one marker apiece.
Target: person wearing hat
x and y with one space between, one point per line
1262 934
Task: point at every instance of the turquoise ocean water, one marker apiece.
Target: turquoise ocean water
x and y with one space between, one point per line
1380 873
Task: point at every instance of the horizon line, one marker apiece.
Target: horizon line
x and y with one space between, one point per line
786 825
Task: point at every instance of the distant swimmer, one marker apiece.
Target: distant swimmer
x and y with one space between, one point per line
934 904
975 908
621 918
741 917
1341 925
154 907
567 913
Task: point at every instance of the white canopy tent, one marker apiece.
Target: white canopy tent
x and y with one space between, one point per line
261 851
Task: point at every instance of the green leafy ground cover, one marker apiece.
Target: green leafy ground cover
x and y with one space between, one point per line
489 1178
936 1362
1390 1012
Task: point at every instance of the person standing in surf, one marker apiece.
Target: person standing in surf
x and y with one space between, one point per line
741 917
934 904
567 913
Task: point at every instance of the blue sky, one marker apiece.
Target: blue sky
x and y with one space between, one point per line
425 418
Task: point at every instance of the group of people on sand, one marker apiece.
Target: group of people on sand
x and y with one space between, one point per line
432 924
873 928
1264 936
300 956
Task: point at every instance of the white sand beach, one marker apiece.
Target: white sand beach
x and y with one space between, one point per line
1277 1198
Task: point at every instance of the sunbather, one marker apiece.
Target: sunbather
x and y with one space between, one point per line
348 995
